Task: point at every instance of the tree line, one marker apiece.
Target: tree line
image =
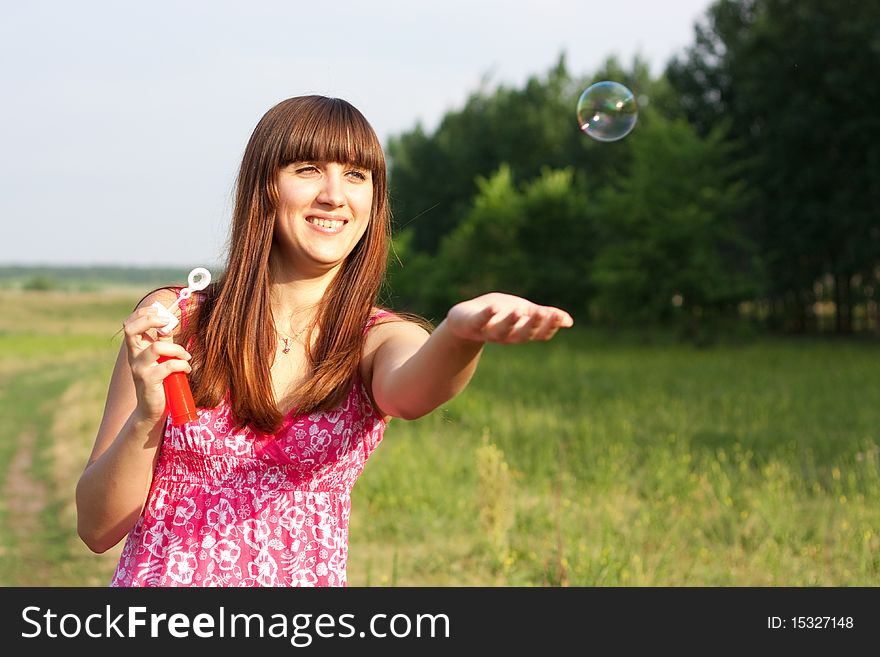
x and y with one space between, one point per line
748 193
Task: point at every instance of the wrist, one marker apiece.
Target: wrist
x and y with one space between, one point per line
448 333
144 423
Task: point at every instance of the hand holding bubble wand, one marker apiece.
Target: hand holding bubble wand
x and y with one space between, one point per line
178 396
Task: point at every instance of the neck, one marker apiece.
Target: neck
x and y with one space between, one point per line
295 297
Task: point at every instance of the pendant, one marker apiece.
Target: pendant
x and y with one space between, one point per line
286 345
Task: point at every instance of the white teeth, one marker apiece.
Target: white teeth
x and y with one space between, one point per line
331 224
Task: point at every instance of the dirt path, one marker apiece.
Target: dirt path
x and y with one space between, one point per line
26 494
73 432
24 497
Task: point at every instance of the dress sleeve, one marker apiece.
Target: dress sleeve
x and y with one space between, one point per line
374 317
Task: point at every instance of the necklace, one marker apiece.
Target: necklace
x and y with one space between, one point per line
288 339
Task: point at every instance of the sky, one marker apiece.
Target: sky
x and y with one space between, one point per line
123 124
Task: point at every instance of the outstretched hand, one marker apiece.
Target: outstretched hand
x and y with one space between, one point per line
504 318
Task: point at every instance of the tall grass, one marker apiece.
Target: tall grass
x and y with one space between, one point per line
642 465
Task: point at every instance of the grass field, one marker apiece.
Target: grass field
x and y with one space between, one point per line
588 461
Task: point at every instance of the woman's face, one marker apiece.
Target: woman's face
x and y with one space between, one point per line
324 209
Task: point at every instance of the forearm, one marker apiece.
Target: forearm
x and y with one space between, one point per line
112 490
434 374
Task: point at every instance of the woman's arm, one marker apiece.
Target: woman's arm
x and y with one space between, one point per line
414 373
113 488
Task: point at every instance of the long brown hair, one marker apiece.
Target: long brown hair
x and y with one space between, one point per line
232 334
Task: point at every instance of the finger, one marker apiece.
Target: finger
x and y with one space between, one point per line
563 319
172 365
529 326
153 372
537 323
478 321
137 325
547 335
500 328
146 311
556 319
151 353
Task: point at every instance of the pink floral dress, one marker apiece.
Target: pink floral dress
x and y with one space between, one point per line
240 508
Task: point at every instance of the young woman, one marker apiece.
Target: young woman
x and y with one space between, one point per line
295 370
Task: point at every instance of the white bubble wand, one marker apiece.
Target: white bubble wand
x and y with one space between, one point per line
199 278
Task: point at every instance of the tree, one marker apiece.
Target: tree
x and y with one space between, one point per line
795 84
669 248
536 241
433 176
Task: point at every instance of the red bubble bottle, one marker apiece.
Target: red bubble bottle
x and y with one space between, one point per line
178 396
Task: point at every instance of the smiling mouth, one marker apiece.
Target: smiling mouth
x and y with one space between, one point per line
328 224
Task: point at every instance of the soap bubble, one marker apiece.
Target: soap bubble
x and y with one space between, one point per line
607 111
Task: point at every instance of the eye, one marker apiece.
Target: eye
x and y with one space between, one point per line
358 174
305 169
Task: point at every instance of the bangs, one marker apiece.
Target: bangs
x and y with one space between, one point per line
332 130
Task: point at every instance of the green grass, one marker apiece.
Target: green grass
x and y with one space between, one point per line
640 465
51 344
588 461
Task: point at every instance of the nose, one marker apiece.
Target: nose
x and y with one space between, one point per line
331 191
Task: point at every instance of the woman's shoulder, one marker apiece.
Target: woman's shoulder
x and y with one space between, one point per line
381 316
164 295
386 326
